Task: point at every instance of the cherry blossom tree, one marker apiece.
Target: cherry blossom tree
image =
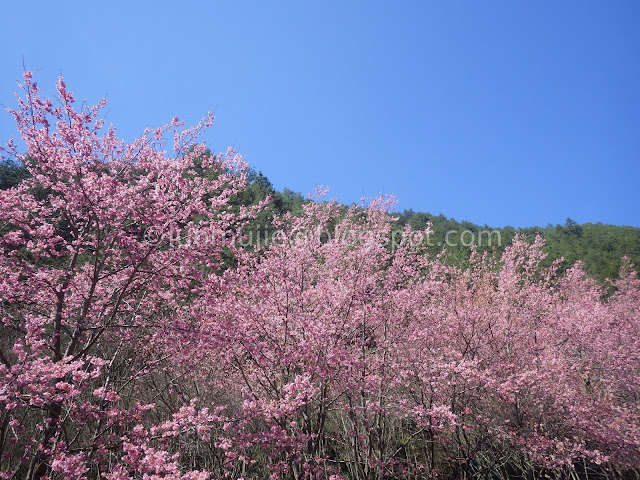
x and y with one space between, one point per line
537 368
87 275
309 330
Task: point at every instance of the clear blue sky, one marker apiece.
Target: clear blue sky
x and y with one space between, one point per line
506 113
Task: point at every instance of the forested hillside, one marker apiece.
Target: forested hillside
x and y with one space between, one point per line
600 247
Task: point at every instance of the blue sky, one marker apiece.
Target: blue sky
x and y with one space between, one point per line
500 112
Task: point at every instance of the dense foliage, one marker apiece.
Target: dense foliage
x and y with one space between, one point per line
144 336
598 246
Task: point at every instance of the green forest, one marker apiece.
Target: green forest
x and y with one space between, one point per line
598 246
